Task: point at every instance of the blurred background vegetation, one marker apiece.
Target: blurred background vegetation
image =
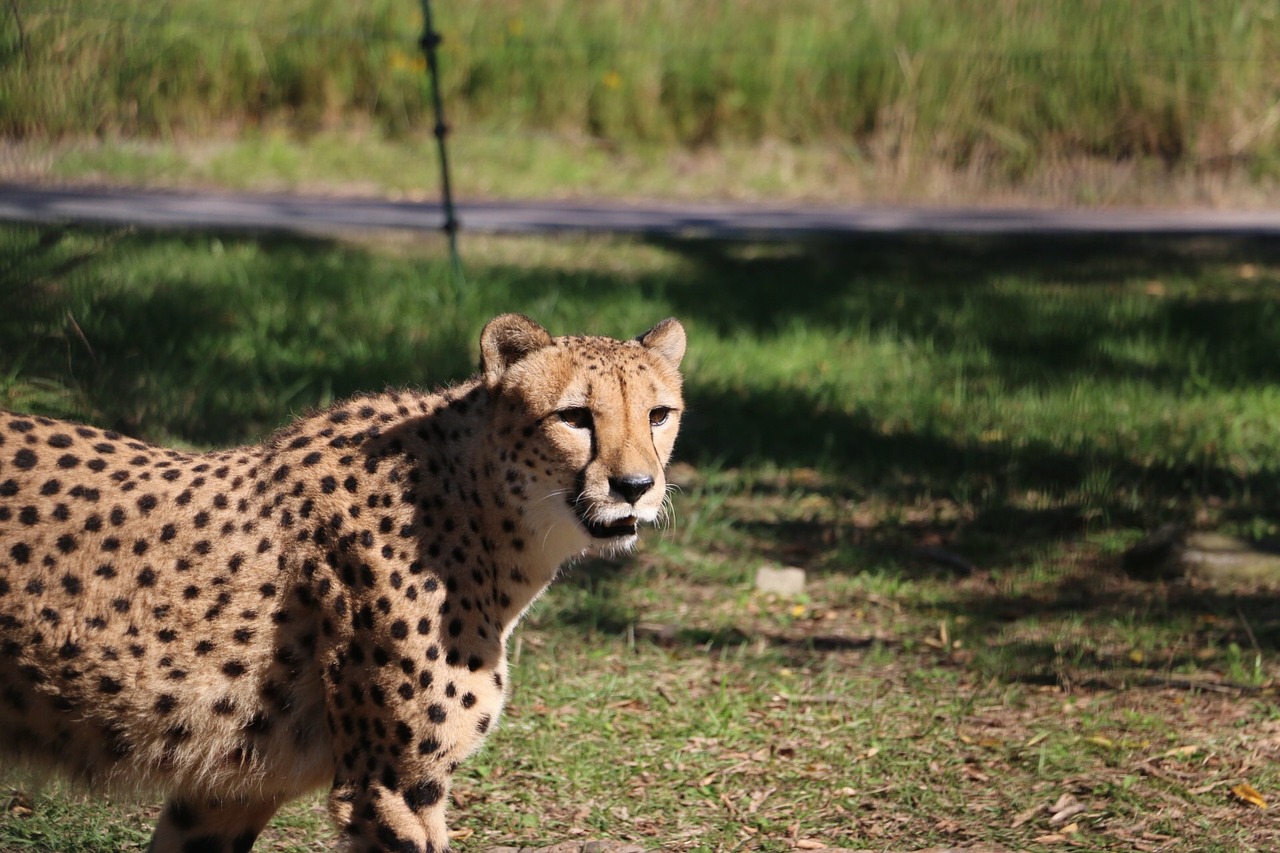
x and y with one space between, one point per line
1013 91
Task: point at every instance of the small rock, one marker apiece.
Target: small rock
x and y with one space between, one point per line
1171 553
785 581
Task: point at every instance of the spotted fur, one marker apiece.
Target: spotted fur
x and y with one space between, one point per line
329 608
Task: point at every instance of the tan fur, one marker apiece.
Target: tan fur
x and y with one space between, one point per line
330 608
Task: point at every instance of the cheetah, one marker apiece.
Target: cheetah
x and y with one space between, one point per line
330 608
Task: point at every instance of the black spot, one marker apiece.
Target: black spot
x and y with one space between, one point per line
436 714
468 699
243 842
66 543
233 669
180 813
146 503
203 844
426 793
24 459
21 553
147 577
165 703
109 686
399 629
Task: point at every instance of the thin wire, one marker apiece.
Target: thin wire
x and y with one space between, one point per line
430 41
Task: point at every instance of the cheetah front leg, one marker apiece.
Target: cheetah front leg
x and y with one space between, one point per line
211 826
375 816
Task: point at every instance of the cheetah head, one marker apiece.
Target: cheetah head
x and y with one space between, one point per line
593 421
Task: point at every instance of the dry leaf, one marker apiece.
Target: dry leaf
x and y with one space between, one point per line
1063 802
1099 740
1066 813
1025 816
810 844
1180 751
1245 793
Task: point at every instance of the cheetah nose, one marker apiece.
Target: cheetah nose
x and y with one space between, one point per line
632 486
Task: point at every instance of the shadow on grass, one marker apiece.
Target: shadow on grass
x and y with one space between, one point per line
215 339
948 289
209 339
1201 630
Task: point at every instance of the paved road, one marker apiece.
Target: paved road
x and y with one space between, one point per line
315 214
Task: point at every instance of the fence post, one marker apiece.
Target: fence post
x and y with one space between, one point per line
429 42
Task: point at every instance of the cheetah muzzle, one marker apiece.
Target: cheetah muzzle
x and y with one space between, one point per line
330 608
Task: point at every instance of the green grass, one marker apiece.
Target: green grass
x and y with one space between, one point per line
1002 89
1030 405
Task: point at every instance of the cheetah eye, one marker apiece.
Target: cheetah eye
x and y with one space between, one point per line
658 415
578 418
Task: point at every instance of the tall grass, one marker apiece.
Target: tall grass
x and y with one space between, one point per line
1011 83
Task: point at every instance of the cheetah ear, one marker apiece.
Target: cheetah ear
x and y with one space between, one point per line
506 340
667 340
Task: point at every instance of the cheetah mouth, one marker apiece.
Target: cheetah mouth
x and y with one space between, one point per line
625 526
